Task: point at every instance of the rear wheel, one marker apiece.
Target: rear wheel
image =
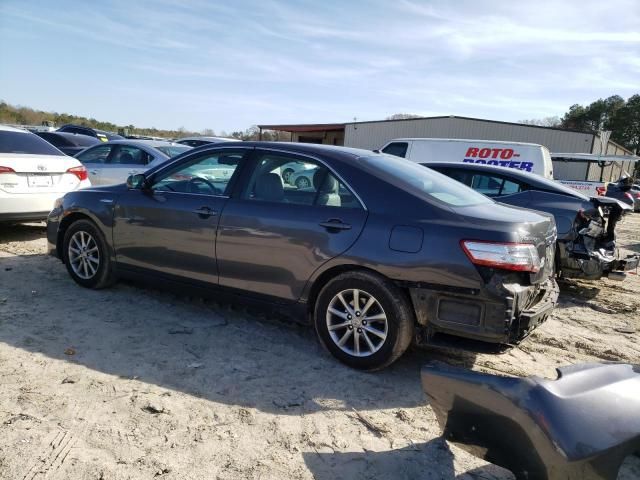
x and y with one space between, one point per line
86 255
364 320
303 182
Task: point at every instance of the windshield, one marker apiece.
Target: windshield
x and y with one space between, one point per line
423 182
18 142
173 150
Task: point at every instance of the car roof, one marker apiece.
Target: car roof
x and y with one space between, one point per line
210 139
7 128
308 148
90 129
72 136
143 143
532 179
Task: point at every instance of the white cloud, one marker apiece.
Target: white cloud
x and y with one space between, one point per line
270 61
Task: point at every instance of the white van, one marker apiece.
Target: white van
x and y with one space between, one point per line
528 157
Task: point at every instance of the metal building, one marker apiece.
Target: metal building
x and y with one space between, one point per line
374 134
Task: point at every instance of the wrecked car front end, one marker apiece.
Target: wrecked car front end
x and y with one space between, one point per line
589 251
580 426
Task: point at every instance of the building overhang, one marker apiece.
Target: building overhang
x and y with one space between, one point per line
305 128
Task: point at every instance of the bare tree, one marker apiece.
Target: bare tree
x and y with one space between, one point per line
543 122
403 116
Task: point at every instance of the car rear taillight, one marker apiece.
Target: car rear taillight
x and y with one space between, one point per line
7 170
629 196
637 194
601 191
79 172
521 257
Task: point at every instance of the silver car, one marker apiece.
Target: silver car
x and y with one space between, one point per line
112 162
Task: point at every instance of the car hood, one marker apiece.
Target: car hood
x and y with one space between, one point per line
118 188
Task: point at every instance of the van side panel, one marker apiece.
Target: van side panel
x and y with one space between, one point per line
529 158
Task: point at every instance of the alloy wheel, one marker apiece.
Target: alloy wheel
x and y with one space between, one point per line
303 182
357 323
84 255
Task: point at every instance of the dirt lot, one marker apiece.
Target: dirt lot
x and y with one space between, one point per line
132 383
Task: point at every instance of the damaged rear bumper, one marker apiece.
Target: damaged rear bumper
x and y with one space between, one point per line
580 426
506 317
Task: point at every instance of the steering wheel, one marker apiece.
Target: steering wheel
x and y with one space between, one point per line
193 185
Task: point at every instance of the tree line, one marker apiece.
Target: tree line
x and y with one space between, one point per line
614 113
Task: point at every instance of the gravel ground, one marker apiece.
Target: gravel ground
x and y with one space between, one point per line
132 383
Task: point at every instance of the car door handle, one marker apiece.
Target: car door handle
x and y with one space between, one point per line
93 172
205 212
335 224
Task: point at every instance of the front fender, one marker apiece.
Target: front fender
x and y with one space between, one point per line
95 206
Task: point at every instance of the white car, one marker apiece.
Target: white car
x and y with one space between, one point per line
110 163
33 174
290 172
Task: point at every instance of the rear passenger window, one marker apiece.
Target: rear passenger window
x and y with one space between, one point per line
283 179
509 187
95 155
494 186
399 149
127 155
487 185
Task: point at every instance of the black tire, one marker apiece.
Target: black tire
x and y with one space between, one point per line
393 303
104 275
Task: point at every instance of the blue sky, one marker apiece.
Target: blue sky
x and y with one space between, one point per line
228 65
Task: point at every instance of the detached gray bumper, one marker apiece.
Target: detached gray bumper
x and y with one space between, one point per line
578 427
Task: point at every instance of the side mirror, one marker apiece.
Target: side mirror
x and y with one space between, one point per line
138 181
377 150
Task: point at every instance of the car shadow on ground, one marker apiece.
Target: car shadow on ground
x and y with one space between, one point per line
22 232
430 460
574 292
218 351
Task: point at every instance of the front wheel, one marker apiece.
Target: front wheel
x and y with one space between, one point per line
303 182
86 255
364 320
286 174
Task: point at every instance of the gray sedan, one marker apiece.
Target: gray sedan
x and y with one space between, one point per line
377 252
112 162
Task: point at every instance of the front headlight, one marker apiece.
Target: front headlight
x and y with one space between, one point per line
58 203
